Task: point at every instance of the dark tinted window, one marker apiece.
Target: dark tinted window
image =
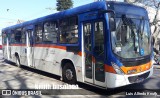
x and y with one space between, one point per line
23 37
38 32
50 32
4 38
17 36
69 30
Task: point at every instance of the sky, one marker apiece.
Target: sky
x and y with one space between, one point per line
12 10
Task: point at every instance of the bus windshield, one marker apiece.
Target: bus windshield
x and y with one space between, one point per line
131 39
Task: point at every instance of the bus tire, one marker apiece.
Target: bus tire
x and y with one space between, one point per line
18 61
69 74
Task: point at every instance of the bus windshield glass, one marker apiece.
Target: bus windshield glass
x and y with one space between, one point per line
131 39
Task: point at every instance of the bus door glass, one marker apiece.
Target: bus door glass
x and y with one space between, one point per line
8 44
29 47
94 52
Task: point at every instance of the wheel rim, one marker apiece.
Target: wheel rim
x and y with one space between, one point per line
69 74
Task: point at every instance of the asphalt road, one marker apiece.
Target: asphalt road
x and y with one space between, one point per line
13 78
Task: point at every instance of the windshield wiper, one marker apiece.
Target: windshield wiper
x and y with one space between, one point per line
141 31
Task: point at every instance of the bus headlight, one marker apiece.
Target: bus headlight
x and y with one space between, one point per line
117 69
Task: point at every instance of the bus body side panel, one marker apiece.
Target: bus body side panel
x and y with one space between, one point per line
49 57
4 51
75 58
38 57
23 58
15 48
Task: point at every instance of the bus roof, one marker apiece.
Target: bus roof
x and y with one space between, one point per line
99 5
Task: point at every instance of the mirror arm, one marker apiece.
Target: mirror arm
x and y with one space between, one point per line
107 11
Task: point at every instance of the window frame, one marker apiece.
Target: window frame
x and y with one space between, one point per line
4 39
15 31
23 32
69 29
57 27
35 33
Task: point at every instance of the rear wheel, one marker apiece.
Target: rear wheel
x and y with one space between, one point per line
18 61
69 74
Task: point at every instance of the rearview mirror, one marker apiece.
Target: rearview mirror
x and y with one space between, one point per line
112 24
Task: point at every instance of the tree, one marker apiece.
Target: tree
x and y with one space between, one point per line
64 4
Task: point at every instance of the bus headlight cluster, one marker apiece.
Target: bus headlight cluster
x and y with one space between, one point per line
117 69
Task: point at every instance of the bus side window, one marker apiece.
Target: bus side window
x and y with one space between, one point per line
50 32
23 37
73 30
38 33
18 35
12 40
69 30
62 30
4 38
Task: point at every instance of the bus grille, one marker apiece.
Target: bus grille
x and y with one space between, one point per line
130 63
139 78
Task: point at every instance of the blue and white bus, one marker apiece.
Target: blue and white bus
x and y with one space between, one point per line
104 44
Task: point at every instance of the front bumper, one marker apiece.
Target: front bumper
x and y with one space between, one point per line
116 80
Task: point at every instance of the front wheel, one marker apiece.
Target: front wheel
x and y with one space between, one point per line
69 74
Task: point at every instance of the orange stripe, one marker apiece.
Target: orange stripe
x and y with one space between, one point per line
4 44
80 53
109 69
55 46
48 46
138 69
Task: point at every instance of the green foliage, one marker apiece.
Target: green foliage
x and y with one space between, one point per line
64 4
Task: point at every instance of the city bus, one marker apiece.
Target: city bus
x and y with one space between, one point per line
106 44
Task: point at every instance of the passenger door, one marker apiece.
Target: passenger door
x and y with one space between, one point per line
8 47
94 52
29 46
